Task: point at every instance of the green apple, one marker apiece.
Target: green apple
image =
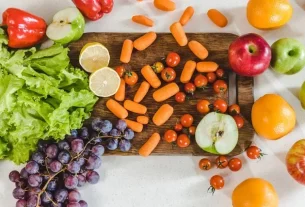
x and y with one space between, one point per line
68 25
288 56
302 95
217 133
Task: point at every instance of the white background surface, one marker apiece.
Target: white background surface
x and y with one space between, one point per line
177 181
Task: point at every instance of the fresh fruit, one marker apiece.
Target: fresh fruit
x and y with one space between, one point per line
217 133
239 121
220 86
189 88
200 81
211 77
234 109
104 82
158 67
170 136
220 73
172 59
217 182
186 120
67 25
249 55
295 161
192 130
220 105
178 127
205 164
203 106
180 97
168 74
288 56
120 70
255 192
272 117
235 164
183 141
253 152
93 57
302 95
131 78
221 162
268 14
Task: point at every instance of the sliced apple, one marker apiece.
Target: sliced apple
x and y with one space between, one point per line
217 133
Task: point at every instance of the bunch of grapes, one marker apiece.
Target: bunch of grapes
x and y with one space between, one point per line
56 170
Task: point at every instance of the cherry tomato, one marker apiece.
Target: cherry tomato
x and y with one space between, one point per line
172 59
220 86
217 182
183 141
221 162
200 81
131 78
168 74
235 164
234 109
189 88
254 152
220 105
203 106
178 127
120 70
220 73
180 97
192 130
170 136
187 120
158 67
205 164
239 121
211 77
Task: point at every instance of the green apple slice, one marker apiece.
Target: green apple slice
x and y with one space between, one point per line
217 133
68 25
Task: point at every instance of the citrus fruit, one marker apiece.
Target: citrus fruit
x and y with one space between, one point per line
255 192
94 56
272 117
263 14
104 82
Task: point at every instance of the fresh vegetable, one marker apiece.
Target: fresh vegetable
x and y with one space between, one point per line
172 59
206 66
94 9
150 145
116 108
145 41
220 73
120 70
203 106
239 121
235 164
166 92
188 71
168 74
192 130
198 49
158 67
220 86
217 18
165 5
178 33
170 136
211 77
120 94
253 152
205 164
183 141
67 25
126 51
189 88
200 81
187 15
131 78
217 182
133 125
143 20
141 92
234 109
150 76
135 107
178 127
180 97
186 120
220 105
24 29
221 162
163 114
142 119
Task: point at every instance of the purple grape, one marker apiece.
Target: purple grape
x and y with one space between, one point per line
106 126
124 145
56 204
87 152
64 157
38 157
74 196
73 167
98 150
32 167
113 144
32 201
46 197
81 161
14 176
92 177
18 193
55 166
71 182
84 133
22 183
73 205
83 203
61 195
21 203
24 174
42 145
121 125
81 180
77 145
52 151
52 185
74 133
129 134
63 145
93 162
34 191
115 133
46 175
35 180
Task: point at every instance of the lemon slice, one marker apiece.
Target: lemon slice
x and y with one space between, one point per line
104 82
94 56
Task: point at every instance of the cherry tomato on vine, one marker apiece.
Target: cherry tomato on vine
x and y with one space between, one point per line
170 136
130 78
203 106
220 105
200 81
254 152
220 86
189 88
120 70
186 120
217 182
234 109
178 127
183 141
235 164
239 121
172 59
211 77
158 67
221 162
205 164
220 73
168 74
192 130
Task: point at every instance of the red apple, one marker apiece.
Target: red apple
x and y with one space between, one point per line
249 55
295 161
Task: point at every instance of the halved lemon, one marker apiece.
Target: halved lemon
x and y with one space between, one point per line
104 82
94 56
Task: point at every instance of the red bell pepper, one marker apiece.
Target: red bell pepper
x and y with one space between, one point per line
94 9
24 29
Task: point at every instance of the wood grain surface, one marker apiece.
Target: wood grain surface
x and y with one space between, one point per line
217 45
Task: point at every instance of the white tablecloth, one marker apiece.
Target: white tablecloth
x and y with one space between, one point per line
176 181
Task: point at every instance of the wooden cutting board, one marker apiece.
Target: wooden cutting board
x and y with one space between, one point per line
217 45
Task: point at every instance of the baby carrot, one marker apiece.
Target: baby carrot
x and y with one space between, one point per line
187 15
217 17
145 41
135 107
150 145
178 33
142 119
126 51
116 108
163 114
120 94
165 5
188 71
150 76
141 19
206 66
133 125
141 92
198 49
166 92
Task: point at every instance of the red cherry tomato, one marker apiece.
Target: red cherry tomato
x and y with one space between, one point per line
205 164
200 81
234 109
189 88
217 182
220 105
120 70
211 77
183 141
239 121
221 162
203 106
178 127
130 78
170 136
192 130
220 86
180 97
168 74
220 73
235 164
254 152
187 120
172 59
